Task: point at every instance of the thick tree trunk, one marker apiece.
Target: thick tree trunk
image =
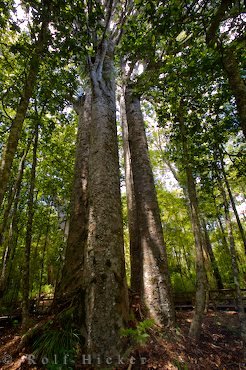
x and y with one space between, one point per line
236 83
28 241
72 272
135 246
17 123
105 280
201 278
156 289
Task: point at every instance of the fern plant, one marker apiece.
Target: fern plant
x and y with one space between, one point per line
139 334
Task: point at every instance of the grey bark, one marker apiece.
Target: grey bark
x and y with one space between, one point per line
72 272
28 239
135 246
201 278
234 257
43 257
106 290
156 288
207 244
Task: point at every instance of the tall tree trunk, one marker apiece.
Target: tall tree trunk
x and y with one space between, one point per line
188 264
179 265
13 239
105 279
213 261
13 228
222 237
35 255
240 227
207 243
13 192
28 241
240 304
156 286
135 246
43 257
17 123
201 278
236 83
71 278
233 254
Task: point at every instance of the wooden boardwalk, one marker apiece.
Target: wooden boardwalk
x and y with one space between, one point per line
219 299
222 299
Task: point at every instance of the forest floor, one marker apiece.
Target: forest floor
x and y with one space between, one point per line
220 347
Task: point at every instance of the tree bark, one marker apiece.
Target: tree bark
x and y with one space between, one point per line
236 83
135 246
233 254
230 62
240 226
17 123
213 261
7 210
72 272
201 278
28 241
156 286
106 290
240 304
43 257
207 243
13 228
216 20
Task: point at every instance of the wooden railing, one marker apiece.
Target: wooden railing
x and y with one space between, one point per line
218 299
222 299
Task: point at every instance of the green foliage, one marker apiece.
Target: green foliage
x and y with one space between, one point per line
59 341
15 323
180 365
168 38
56 344
139 335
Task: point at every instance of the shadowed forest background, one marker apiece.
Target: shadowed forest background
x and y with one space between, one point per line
122 184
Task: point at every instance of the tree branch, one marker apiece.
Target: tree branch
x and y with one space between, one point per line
217 19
